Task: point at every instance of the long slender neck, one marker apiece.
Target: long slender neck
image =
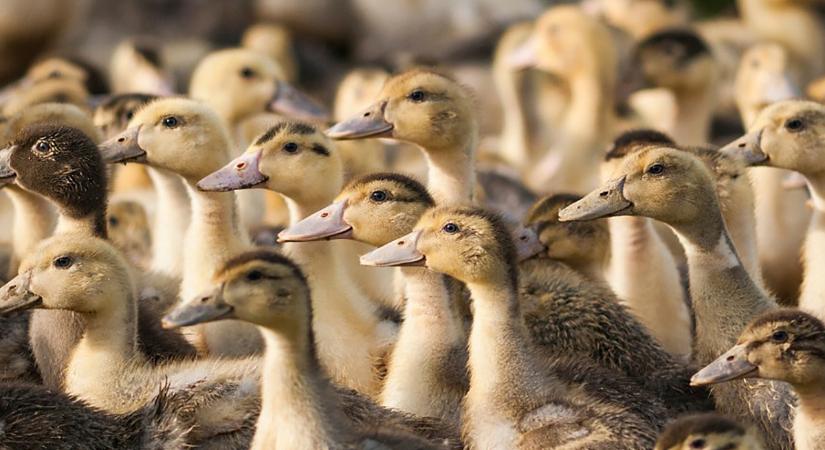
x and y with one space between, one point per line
590 112
694 115
172 214
514 142
451 172
34 220
292 393
93 224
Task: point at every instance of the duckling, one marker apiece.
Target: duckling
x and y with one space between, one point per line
426 371
781 215
63 164
56 90
300 408
675 187
274 41
188 138
786 135
785 345
128 229
135 67
86 275
34 417
681 61
707 431
434 112
578 49
520 396
296 160
74 72
639 18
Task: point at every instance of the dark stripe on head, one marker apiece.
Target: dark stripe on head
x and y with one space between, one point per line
148 52
630 141
320 149
271 133
403 180
117 100
302 128
791 315
710 423
690 40
268 256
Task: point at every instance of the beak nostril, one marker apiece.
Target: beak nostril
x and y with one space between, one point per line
204 299
730 358
367 114
400 242
742 145
603 193
13 287
241 165
123 139
324 214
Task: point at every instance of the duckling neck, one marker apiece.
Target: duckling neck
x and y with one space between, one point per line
291 394
33 221
515 142
812 403
816 185
172 214
93 224
451 172
589 114
694 114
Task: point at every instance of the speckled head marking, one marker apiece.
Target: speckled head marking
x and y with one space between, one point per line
630 141
64 165
693 431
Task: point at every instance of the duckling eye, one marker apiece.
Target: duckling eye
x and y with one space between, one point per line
170 122
794 125
41 146
450 228
113 221
656 169
417 96
55 74
63 262
290 147
697 443
129 114
254 275
247 73
779 337
378 196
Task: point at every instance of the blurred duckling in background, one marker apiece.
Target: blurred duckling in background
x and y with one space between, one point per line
128 227
709 431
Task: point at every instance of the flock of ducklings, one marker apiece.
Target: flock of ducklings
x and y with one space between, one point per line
334 302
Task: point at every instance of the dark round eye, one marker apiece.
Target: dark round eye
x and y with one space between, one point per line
417 95
170 122
129 114
656 169
254 275
113 221
378 196
63 262
247 73
697 443
794 125
779 336
290 147
41 146
450 227
55 74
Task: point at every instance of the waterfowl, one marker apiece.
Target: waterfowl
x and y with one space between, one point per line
639 18
426 370
785 345
128 229
764 77
300 408
434 112
274 41
86 275
63 164
56 90
296 160
786 135
676 188
708 431
187 138
520 396
578 49
135 67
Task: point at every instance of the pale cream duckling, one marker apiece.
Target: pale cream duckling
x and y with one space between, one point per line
136 67
639 18
781 215
74 72
786 345
188 138
434 112
578 49
296 160
88 276
788 135
520 396
709 431
57 90
274 41
300 408
675 187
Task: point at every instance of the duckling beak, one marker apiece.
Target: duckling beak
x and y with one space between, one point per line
370 123
603 202
732 365
327 223
748 147
794 181
527 243
525 55
7 174
123 148
400 252
291 102
207 307
16 296
242 172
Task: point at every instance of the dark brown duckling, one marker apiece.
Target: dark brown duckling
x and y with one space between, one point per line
64 165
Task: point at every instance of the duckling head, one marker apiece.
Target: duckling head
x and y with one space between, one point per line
785 345
631 142
420 106
709 431
575 243
58 90
662 183
137 67
260 287
113 114
68 272
240 82
177 134
60 163
677 59
293 158
787 135
358 90
469 244
374 209
764 77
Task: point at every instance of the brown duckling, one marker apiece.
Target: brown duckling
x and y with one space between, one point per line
785 345
707 431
